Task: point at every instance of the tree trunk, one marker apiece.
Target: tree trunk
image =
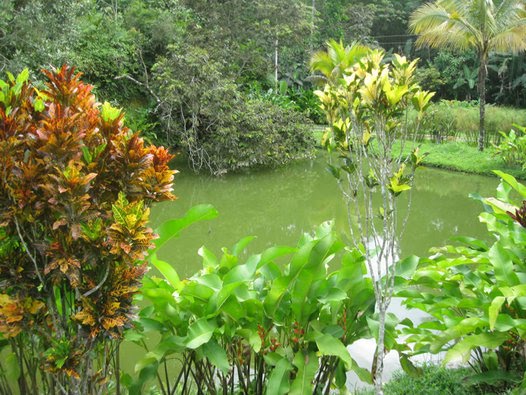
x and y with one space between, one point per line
276 64
483 63
313 26
380 347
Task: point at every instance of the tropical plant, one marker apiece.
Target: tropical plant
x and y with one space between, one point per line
483 25
512 148
365 101
75 186
475 296
277 322
333 63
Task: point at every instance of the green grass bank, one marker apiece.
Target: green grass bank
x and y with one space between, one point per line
459 156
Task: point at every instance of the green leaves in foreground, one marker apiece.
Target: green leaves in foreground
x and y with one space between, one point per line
278 321
475 294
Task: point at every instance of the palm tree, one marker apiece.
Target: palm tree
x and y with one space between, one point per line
484 25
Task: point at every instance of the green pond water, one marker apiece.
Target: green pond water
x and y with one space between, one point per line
278 205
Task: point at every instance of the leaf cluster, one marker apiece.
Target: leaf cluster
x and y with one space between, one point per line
276 322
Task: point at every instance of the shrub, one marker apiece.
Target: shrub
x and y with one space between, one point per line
248 324
512 148
203 112
75 188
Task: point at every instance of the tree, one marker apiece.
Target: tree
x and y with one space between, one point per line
365 99
483 25
75 187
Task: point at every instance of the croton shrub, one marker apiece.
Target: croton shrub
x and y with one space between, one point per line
75 187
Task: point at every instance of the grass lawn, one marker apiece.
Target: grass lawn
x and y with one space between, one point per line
462 157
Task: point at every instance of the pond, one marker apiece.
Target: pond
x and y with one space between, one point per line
278 205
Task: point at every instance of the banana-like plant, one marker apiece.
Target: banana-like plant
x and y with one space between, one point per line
277 322
474 293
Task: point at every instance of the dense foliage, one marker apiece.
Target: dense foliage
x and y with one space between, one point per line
475 295
119 45
512 148
75 188
273 323
220 129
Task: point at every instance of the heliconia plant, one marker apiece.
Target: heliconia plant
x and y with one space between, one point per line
75 187
278 322
474 294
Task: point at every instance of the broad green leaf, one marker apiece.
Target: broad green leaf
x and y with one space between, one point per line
328 345
209 259
252 337
145 362
512 182
499 206
278 382
242 244
166 270
409 367
307 366
217 355
334 295
512 293
494 309
504 269
172 228
463 348
270 254
199 333
279 287
406 267
244 272
300 290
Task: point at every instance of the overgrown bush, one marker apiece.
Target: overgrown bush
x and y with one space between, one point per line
433 380
75 186
203 112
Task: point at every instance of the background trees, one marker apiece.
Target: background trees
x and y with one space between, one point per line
261 47
485 26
